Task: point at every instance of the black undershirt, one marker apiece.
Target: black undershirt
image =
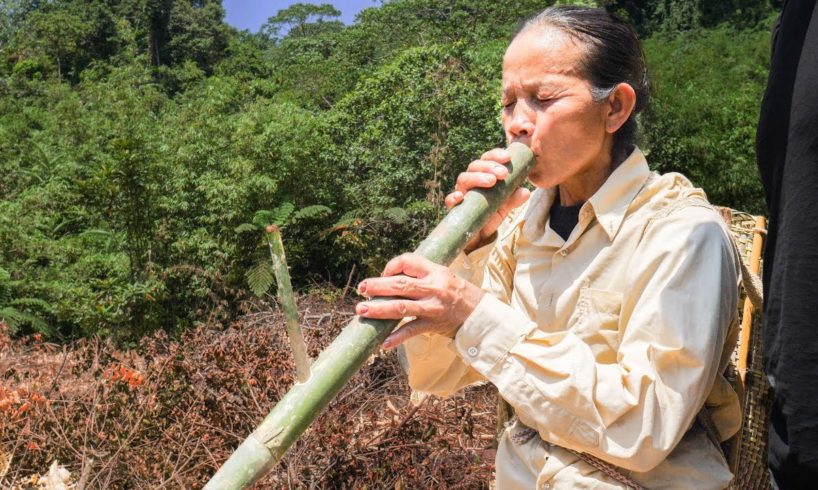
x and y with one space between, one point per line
564 218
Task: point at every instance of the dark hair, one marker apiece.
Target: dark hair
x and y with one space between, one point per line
614 55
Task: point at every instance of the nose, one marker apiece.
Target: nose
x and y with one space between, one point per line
521 122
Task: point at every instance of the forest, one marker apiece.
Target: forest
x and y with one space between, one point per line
145 144
138 136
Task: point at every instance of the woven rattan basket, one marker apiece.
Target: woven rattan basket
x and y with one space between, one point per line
747 451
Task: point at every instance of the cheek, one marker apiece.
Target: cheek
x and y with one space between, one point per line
571 130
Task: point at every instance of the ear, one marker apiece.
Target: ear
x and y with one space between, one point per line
620 106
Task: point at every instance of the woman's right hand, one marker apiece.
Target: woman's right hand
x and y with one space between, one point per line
485 172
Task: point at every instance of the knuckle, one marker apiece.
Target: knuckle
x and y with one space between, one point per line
402 309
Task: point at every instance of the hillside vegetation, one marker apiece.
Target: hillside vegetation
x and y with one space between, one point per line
138 136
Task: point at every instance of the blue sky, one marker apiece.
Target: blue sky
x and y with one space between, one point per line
250 14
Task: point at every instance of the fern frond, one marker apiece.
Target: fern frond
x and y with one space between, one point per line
13 317
309 212
262 218
33 302
16 318
245 227
281 213
397 215
260 277
347 218
95 232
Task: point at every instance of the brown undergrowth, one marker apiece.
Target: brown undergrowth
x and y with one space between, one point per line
167 413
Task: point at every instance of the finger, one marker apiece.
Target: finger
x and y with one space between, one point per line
470 180
390 309
399 285
499 155
410 264
406 332
453 199
486 167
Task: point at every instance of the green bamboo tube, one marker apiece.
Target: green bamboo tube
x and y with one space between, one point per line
287 300
256 456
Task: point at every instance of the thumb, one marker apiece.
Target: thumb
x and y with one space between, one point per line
406 332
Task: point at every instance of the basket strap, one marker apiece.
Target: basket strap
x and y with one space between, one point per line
608 469
750 281
613 472
706 421
703 418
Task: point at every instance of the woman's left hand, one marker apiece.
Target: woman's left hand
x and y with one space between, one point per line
439 300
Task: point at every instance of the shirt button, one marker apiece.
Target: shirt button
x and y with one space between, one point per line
563 252
472 351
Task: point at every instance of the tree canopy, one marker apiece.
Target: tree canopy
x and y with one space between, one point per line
136 136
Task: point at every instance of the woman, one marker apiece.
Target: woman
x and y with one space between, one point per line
608 297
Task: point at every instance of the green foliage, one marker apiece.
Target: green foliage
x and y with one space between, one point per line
674 16
260 277
21 312
275 216
294 21
140 138
708 86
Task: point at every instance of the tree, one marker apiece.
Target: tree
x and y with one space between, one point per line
197 32
60 32
301 20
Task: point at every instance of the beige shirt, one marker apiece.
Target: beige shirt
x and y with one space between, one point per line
608 343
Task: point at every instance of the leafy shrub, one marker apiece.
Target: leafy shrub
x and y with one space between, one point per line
708 86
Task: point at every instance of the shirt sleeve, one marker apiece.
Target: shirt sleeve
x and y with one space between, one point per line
434 364
632 412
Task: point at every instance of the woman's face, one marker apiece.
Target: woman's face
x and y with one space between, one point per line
547 105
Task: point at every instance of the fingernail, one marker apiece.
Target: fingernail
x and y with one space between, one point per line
487 179
499 169
362 309
362 288
387 344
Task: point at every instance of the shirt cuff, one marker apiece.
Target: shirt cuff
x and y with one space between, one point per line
491 330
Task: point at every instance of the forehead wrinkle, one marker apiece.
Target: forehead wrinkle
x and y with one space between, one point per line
547 82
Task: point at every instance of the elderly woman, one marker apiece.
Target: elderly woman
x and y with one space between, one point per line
606 310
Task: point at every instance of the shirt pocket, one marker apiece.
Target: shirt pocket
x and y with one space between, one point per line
595 320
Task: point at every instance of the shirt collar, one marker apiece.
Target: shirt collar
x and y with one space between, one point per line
609 203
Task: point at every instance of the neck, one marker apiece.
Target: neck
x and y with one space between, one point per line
582 186
579 188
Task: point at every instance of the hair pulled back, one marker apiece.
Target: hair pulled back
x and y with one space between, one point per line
613 55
